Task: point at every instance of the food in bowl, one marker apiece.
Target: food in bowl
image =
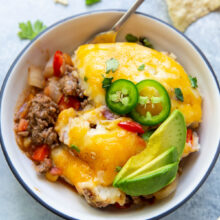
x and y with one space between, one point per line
113 120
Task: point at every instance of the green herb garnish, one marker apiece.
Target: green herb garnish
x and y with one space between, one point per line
179 94
145 42
147 134
193 81
111 65
74 147
29 31
91 2
85 78
107 82
131 38
118 168
141 67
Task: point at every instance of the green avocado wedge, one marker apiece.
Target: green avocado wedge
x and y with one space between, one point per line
171 133
168 157
151 182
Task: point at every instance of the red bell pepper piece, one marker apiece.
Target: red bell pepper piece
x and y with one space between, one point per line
189 136
69 102
131 126
57 63
22 125
41 153
56 171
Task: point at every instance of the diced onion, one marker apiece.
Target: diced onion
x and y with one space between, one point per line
48 70
27 142
35 77
53 90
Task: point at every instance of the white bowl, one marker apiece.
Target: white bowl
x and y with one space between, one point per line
66 35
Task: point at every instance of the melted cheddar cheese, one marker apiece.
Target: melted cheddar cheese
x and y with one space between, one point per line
90 61
103 147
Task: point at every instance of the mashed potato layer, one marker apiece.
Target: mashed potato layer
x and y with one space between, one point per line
102 143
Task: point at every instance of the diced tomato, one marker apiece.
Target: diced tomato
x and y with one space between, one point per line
57 63
189 136
41 153
131 126
68 102
55 171
22 125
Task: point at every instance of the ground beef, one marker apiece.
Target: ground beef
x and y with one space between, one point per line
42 116
44 166
69 83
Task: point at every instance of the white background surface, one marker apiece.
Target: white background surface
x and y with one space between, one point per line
15 203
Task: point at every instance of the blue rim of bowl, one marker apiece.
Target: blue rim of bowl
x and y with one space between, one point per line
13 169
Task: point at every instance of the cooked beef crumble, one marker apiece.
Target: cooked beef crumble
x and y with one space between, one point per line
69 83
44 166
42 116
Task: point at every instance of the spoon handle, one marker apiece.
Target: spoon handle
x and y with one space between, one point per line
124 18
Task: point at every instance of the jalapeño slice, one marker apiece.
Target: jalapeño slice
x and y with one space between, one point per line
122 96
153 103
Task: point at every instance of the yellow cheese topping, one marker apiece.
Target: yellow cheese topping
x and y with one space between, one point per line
73 169
91 63
104 147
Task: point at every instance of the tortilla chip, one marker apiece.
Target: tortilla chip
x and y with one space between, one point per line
185 12
63 2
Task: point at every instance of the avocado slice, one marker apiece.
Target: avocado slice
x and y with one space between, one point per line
151 182
168 157
172 132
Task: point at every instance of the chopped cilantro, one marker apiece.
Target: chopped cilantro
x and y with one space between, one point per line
111 65
131 38
29 31
107 82
147 134
193 81
91 2
145 42
179 94
141 67
118 168
85 78
75 148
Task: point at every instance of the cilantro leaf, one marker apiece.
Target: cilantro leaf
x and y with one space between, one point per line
29 31
91 2
193 81
111 65
145 42
141 67
147 134
179 94
131 38
75 148
118 168
107 82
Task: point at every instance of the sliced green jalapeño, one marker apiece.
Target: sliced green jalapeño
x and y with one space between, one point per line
153 103
122 96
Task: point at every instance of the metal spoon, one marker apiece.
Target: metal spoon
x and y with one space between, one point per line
110 36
